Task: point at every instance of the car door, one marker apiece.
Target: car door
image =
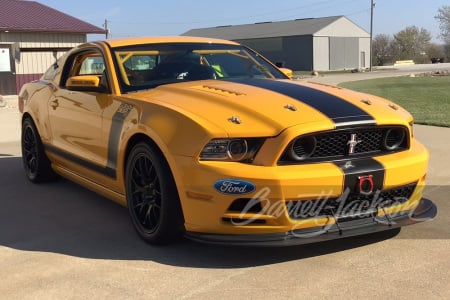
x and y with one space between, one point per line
76 116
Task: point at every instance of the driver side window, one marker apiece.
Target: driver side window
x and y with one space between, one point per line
85 70
92 66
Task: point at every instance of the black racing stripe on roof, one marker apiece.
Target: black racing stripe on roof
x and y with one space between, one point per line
343 113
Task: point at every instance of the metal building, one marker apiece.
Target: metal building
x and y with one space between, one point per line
320 44
32 37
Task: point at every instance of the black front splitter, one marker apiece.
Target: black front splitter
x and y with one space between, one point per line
425 211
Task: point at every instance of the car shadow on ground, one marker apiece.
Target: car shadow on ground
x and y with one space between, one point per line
64 218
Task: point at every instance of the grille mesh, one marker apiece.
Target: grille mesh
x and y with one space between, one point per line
336 144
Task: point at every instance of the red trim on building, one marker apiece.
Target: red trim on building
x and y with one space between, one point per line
21 79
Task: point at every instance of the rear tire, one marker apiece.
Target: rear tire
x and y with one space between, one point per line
152 197
35 162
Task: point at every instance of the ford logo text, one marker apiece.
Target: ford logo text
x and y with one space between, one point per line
234 186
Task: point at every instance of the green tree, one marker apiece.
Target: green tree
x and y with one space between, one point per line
381 49
411 43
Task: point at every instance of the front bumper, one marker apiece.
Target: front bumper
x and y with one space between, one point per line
208 211
425 211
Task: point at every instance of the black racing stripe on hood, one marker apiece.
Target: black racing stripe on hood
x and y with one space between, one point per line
340 111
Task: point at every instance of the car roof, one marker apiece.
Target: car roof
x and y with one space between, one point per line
164 39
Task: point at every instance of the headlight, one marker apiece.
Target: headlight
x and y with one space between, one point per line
241 150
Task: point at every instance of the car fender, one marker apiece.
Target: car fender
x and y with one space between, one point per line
161 125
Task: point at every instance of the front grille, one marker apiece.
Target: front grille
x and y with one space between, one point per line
334 145
351 204
337 143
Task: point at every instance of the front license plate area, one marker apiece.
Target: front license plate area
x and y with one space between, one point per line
371 213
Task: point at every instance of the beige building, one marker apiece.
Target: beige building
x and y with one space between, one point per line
32 37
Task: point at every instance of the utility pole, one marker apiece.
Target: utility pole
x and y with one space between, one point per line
105 25
372 5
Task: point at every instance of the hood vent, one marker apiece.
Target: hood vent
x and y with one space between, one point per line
217 90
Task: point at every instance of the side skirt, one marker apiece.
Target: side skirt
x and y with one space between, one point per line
97 188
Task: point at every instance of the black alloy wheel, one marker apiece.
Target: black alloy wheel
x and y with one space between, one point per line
36 164
152 197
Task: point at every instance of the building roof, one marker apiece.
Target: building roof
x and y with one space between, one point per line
31 16
297 27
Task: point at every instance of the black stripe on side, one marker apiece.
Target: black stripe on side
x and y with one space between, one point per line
110 170
79 161
114 134
340 111
355 169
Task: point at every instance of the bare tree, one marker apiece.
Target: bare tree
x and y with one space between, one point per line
443 18
381 49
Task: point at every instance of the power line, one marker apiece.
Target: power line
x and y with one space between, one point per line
307 9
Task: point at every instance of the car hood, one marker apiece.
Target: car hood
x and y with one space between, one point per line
264 107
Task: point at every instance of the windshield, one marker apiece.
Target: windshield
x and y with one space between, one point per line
148 66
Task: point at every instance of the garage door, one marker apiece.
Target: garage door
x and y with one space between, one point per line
344 53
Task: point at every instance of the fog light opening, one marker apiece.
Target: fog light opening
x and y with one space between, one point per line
394 138
303 148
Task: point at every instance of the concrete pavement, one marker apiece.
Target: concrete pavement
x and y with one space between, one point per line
60 240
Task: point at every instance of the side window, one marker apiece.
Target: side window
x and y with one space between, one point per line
85 62
92 66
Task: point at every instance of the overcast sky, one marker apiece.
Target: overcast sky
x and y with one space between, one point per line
174 17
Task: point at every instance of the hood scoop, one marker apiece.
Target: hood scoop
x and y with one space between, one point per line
217 90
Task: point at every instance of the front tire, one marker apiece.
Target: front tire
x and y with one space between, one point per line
152 197
35 162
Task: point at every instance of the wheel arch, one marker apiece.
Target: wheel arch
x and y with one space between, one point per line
26 115
168 161
133 141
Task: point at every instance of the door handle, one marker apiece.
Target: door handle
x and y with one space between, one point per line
54 104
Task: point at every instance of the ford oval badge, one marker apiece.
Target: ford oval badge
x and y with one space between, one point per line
234 187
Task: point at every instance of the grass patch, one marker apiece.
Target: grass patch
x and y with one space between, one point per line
426 98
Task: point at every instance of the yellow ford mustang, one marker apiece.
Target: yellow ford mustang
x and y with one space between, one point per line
207 139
